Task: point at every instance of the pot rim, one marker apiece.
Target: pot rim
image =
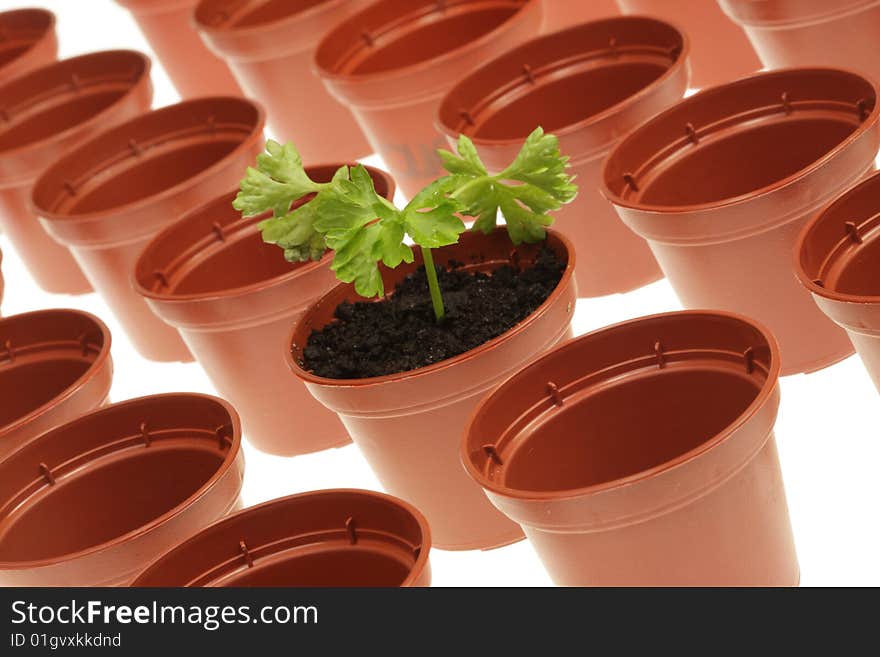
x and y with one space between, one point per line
204 490
733 9
51 24
764 395
228 29
90 374
731 88
494 343
587 121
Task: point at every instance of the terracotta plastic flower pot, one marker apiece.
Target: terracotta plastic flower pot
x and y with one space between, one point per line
54 366
1 281
349 538
812 32
721 184
49 111
721 51
408 425
107 199
643 455
92 502
269 45
28 42
560 14
234 300
168 26
588 85
393 62
836 258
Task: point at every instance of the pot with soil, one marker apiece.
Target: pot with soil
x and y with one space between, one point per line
50 111
192 67
393 61
234 299
723 227
841 33
562 14
92 502
686 491
270 46
29 41
721 51
836 259
54 366
339 538
589 85
108 198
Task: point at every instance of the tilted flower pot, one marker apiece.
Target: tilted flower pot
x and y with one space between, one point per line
840 33
408 425
50 111
234 300
836 260
721 51
350 538
270 46
643 455
54 366
721 184
393 61
193 68
1 281
588 85
108 198
29 41
561 14
92 502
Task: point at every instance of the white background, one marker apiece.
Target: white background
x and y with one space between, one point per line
827 428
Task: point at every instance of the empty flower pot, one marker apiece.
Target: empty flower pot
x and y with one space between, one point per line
234 300
408 425
49 111
92 502
29 41
721 51
721 184
840 33
108 198
343 538
270 46
1 281
560 14
643 454
393 61
589 85
168 26
836 259
54 366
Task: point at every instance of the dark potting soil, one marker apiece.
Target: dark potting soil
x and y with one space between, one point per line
400 333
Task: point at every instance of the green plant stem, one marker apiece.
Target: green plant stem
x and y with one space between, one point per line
433 284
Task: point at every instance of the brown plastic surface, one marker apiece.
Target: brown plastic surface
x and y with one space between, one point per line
348 538
721 52
408 425
589 85
234 300
393 62
29 41
54 366
269 45
721 184
92 502
837 258
840 33
643 455
49 111
108 198
561 14
1 281
193 68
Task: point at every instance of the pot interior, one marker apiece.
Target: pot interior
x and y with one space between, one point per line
251 13
22 28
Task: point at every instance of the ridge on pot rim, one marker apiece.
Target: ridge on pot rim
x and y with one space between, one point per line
54 366
686 491
91 502
109 197
588 85
721 227
347 538
29 41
